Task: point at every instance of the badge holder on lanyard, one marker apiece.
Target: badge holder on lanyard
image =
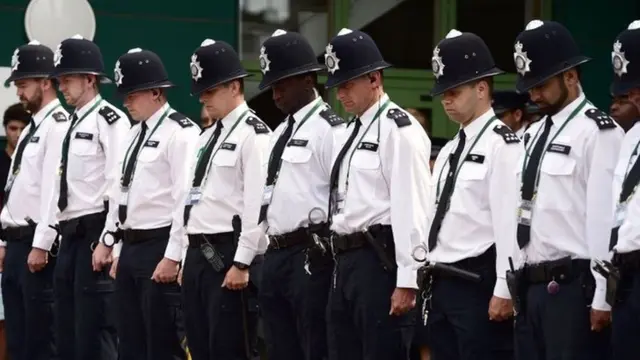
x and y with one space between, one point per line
341 195
525 211
195 193
461 160
125 189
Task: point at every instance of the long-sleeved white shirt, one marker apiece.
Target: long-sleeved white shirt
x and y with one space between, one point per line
389 183
233 182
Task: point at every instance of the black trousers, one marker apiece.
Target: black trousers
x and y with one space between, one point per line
85 327
459 320
146 311
213 316
358 319
28 303
626 318
557 326
293 304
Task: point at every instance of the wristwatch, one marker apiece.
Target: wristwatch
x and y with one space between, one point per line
240 265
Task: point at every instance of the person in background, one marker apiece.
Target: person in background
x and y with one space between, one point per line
14 121
511 107
422 119
436 145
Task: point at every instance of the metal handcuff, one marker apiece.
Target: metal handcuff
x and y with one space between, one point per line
315 217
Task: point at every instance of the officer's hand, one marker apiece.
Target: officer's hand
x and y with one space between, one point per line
3 252
402 301
114 268
37 259
500 309
166 271
600 319
236 279
101 257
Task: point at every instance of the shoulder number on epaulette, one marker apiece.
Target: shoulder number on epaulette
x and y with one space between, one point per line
601 118
59 116
332 118
400 117
509 136
258 126
181 119
109 114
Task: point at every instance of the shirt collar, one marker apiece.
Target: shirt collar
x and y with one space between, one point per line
300 114
368 115
230 119
84 109
563 114
476 125
39 116
153 119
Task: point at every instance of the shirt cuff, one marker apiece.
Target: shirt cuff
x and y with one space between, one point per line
3 243
599 300
501 289
244 255
117 248
407 278
174 250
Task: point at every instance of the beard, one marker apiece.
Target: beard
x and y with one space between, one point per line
551 109
34 104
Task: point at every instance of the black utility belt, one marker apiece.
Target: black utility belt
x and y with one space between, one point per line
133 236
379 234
562 270
627 261
296 237
196 240
18 233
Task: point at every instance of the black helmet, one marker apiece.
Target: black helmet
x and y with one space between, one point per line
461 58
212 64
543 50
350 54
505 100
140 70
625 59
286 54
77 55
32 60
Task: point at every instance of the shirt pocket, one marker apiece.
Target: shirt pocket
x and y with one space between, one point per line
148 154
558 170
296 155
366 160
84 149
225 169
470 173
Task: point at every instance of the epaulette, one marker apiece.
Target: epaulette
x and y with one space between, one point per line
509 136
400 117
181 119
332 118
601 118
59 116
109 114
258 126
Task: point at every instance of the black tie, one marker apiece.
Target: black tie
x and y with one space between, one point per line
628 186
335 170
275 161
529 180
447 191
201 167
128 171
64 186
18 158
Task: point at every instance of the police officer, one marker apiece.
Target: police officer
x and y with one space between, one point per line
297 266
624 110
227 181
474 200
510 107
154 173
564 188
380 207
87 169
624 239
27 281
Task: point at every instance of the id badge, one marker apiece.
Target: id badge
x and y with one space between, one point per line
621 213
525 212
267 195
124 195
195 194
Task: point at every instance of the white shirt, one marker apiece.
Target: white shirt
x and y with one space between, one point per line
94 146
34 181
303 180
572 215
390 185
162 173
629 232
233 183
484 199
520 132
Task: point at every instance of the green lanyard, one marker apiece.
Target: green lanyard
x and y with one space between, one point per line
200 159
126 155
544 152
73 126
30 134
461 160
375 117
